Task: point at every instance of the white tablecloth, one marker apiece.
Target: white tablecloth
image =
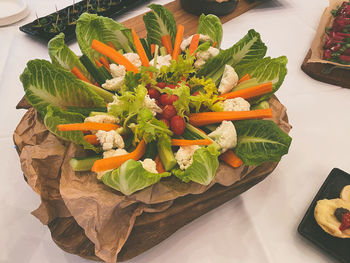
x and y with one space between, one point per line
258 226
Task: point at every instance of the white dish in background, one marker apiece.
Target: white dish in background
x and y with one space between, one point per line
12 11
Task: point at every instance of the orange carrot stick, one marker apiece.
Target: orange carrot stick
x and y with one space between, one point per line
80 75
244 78
215 43
114 55
249 92
178 40
114 162
153 49
98 63
180 142
92 139
87 126
194 44
139 49
159 166
166 42
105 63
231 158
204 118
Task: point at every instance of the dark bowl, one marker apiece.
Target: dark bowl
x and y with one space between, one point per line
199 7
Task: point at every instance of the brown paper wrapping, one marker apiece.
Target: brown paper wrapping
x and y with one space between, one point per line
320 37
106 215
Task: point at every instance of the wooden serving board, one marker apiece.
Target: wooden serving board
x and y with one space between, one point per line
318 71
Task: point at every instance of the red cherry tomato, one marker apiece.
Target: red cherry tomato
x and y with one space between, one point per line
169 111
166 99
177 125
196 93
160 85
153 93
167 123
172 86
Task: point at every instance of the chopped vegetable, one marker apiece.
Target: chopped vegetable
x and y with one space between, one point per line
178 41
139 49
80 75
181 142
159 165
244 78
105 63
166 42
92 138
231 158
194 44
249 92
87 126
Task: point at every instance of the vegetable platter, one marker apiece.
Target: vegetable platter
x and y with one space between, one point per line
153 125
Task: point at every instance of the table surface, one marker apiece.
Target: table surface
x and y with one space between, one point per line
259 225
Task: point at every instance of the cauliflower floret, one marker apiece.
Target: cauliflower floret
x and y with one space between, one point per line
186 42
113 84
203 56
117 70
149 165
229 80
236 104
134 59
184 156
115 102
110 139
113 153
225 135
162 61
103 118
151 105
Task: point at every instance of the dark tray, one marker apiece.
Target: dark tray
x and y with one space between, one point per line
337 247
47 23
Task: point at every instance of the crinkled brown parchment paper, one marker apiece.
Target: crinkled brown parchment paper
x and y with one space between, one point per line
106 215
320 37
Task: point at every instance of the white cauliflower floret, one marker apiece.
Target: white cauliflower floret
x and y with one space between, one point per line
117 70
151 105
229 80
236 104
113 84
110 139
134 59
162 61
186 42
203 56
102 118
116 102
113 153
225 135
184 156
149 165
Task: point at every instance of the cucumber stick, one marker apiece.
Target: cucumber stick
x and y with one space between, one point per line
83 164
166 155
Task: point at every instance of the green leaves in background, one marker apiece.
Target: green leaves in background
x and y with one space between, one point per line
210 25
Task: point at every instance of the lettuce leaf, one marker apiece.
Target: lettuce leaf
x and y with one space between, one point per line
203 168
55 116
210 25
45 84
92 26
159 22
260 141
131 177
61 55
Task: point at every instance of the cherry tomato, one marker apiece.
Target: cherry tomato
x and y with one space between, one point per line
167 123
153 93
166 99
169 111
177 125
160 85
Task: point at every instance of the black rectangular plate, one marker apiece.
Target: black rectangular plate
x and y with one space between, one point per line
69 31
339 248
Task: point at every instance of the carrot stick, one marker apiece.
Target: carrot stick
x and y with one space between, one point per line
110 44
87 126
166 42
194 43
105 63
204 118
98 63
114 162
180 142
153 49
80 75
244 78
114 55
159 166
139 49
231 158
92 139
178 40
215 43
249 92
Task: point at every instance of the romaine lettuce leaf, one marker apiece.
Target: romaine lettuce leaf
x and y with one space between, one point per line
92 26
260 141
45 84
55 116
210 25
159 22
203 168
131 177
61 55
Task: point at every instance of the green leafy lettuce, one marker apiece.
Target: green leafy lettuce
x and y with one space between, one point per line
210 25
55 116
159 22
92 26
131 177
203 168
260 141
45 84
